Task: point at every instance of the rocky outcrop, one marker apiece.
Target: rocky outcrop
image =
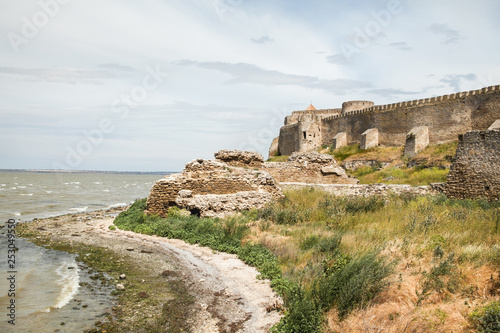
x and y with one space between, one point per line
212 188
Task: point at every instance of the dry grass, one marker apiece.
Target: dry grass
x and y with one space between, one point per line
417 233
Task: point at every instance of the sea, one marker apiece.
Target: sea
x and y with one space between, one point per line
51 290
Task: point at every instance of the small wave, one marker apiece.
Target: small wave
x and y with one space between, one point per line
106 190
27 194
21 186
16 214
75 183
48 192
121 204
3 184
79 209
69 282
13 188
98 183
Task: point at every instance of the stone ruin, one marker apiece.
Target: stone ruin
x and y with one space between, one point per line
210 188
476 170
239 180
313 168
416 141
309 167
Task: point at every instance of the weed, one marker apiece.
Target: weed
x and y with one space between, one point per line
487 318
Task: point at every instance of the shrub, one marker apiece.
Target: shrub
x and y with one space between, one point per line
303 315
355 284
487 318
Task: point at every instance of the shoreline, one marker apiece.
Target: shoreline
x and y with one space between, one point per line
169 283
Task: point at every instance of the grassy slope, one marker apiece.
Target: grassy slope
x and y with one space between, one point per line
432 164
355 264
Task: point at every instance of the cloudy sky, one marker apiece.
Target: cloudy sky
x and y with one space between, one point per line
150 85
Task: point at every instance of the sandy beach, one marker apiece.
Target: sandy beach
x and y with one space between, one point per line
168 285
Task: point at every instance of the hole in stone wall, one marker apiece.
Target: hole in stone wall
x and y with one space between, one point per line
195 211
305 134
483 136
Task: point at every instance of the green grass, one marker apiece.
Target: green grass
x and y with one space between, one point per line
345 152
433 164
278 158
411 176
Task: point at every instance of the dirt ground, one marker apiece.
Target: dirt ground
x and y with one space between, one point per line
226 294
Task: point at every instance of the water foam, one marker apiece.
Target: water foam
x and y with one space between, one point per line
79 209
69 281
121 204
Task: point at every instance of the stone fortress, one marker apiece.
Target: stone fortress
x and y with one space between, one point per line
424 121
238 180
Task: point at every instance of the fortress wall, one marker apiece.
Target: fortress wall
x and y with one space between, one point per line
445 116
289 139
296 115
485 110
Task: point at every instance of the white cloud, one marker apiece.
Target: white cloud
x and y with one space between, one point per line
247 62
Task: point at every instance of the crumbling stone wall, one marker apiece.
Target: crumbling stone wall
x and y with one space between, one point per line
208 177
310 167
476 170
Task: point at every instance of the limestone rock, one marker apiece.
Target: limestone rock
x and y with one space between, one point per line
331 170
312 157
495 125
240 158
221 205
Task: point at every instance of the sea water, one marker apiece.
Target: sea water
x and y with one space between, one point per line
49 296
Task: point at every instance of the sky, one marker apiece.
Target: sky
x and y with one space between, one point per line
151 85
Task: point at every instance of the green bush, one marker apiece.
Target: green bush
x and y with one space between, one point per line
355 284
303 314
486 319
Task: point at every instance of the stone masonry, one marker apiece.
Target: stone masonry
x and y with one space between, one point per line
310 167
369 139
476 170
339 140
416 140
212 188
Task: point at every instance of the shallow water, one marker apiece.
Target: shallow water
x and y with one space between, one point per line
53 292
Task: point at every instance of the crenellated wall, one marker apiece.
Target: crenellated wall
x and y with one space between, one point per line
445 116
